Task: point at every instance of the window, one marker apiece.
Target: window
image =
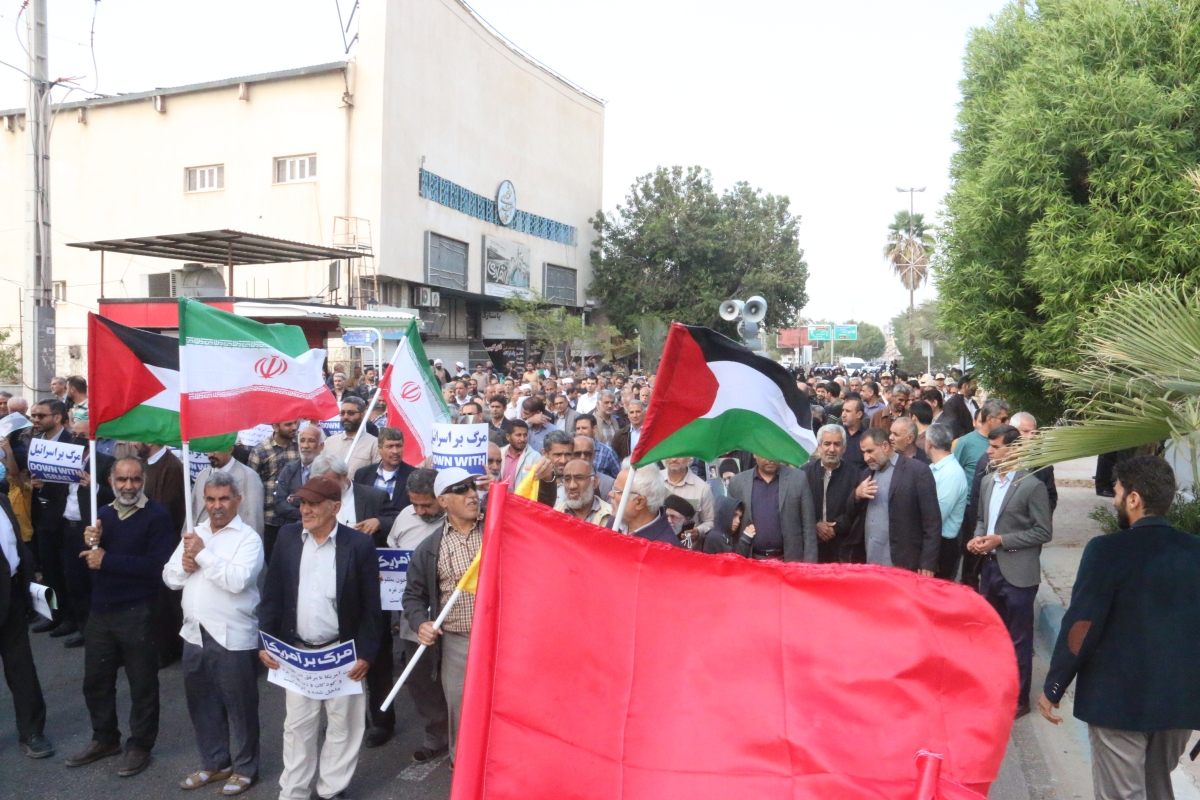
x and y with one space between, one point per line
445 262
60 291
561 285
205 179
292 169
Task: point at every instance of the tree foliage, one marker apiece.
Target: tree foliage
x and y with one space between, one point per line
556 332
924 326
1077 127
10 359
910 244
676 249
870 344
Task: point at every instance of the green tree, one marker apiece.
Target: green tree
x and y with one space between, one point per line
924 326
10 359
1076 129
676 249
909 247
871 342
555 331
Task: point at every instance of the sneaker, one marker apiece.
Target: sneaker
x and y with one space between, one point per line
135 761
37 746
93 753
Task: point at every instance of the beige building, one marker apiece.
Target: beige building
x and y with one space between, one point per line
462 168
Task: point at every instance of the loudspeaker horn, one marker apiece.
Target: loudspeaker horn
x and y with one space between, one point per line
755 309
730 310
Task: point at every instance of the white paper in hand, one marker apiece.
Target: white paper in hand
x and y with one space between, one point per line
44 601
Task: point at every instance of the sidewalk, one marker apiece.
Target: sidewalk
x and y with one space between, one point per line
1063 750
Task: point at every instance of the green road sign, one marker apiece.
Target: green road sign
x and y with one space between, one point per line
844 333
818 333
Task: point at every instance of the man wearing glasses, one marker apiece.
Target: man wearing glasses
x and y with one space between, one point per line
49 506
585 450
435 569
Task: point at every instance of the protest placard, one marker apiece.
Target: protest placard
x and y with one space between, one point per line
255 436
197 462
332 427
43 599
316 674
463 446
55 462
393 577
13 422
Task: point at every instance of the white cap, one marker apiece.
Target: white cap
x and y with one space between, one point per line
526 386
437 362
568 381
458 364
450 477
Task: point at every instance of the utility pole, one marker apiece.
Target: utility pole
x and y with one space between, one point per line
38 330
911 267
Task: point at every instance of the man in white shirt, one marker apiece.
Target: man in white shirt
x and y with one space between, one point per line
217 567
366 451
416 523
588 400
249 485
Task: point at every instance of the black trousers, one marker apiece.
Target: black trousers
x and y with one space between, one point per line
270 534
20 673
380 680
430 700
76 574
114 640
169 620
1014 604
50 546
949 552
222 698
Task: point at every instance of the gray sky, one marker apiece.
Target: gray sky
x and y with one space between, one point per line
833 104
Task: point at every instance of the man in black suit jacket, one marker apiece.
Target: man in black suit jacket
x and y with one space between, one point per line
345 583
75 570
19 669
832 481
957 413
1131 639
389 475
899 513
49 525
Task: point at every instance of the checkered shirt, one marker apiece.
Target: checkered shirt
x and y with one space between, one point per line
454 557
268 459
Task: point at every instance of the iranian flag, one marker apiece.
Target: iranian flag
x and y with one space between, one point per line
133 383
236 373
712 395
413 396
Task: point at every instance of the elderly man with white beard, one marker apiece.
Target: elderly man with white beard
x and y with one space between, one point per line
311 442
579 495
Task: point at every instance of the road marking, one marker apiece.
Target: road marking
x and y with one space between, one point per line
419 772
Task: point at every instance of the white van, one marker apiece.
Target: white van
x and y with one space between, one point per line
851 364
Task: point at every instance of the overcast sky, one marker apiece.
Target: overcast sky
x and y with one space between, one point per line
833 104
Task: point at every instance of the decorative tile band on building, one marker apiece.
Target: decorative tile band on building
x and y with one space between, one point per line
448 193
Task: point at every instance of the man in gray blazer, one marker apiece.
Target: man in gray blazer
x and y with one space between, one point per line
780 520
1014 522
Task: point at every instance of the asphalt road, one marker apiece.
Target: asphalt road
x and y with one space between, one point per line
384 772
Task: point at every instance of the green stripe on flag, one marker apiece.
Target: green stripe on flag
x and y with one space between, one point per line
735 429
201 324
159 426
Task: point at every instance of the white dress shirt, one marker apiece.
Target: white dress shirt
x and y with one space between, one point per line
8 543
346 514
316 594
222 595
587 403
998 493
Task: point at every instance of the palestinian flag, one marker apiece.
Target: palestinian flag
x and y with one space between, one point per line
713 395
236 373
413 396
133 383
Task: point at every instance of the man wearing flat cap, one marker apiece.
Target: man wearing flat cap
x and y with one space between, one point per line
436 567
322 588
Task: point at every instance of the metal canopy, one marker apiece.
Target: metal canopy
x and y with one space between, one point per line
232 248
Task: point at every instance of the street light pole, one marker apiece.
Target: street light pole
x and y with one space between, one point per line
910 268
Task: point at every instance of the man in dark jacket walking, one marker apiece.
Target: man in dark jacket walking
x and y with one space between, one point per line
832 481
1131 639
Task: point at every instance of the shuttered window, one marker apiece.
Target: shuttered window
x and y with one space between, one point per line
205 179
293 169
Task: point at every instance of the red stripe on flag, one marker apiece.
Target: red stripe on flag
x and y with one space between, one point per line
214 416
584 678
125 382
414 442
684 390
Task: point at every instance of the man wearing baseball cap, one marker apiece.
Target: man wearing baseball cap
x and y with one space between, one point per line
436 567
322 588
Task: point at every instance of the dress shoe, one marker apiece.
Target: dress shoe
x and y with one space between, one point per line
426 754
64 629
93 753
44 625
74 640
136 759
1022 710
377 737
37 746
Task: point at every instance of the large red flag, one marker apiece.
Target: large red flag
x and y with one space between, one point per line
604 666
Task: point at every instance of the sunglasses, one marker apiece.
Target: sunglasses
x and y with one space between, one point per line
461 488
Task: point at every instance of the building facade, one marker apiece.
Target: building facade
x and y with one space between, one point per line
459 167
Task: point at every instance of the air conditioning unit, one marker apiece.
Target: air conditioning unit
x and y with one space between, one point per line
428 298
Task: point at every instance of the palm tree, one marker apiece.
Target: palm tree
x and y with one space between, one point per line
909 245
1139 379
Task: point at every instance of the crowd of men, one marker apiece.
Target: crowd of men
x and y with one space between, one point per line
912 474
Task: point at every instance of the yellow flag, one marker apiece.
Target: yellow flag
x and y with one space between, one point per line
470 578
528 487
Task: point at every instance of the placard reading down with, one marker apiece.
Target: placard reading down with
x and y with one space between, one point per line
463 446
56 462
393 577
316 674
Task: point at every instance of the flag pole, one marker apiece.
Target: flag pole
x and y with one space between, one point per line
412 662
187 486
362 425
93 489
619 521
